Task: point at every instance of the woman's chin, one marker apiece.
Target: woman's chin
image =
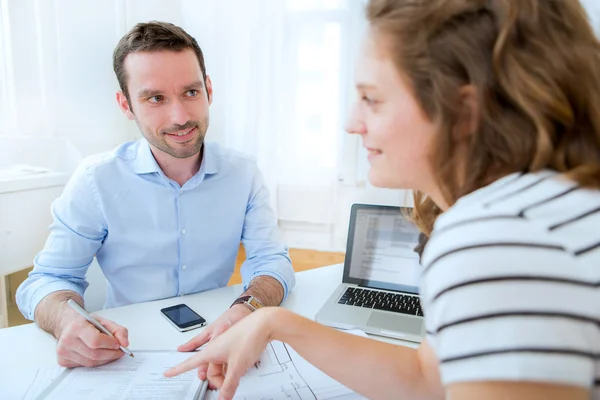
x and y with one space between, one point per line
381 179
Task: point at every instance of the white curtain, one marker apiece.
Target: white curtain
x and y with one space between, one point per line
244 52
57 82
281 73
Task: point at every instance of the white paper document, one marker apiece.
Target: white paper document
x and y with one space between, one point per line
26 384
139 378
281 375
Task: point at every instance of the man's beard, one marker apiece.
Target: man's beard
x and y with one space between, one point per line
189 149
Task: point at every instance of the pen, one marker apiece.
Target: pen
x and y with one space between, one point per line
97 324
203 390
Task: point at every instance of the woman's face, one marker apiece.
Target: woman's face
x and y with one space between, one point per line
396 132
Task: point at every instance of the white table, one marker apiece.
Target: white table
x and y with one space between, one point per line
27 346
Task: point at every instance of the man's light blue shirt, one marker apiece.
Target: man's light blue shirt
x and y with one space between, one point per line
152 237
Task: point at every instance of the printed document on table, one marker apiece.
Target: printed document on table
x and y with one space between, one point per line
128 378
27 383
283 374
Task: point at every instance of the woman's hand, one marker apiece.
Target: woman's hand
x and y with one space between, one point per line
227 358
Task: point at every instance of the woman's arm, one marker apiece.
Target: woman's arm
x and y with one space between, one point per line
374 369
383 371
515 391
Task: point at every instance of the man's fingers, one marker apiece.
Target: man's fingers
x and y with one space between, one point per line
94 339
82 344
72 360
67 363
119 331
76 359
195 342
195 361
102 355
69 359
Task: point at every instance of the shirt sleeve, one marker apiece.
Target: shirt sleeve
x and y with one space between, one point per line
76 234
500 311
266 254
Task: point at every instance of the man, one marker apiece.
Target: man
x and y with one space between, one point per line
164 215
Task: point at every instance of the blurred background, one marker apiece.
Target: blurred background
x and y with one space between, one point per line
282 78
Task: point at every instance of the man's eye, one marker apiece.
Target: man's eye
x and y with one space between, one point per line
156 99
192 93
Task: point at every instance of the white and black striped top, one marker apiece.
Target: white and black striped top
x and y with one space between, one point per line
511 284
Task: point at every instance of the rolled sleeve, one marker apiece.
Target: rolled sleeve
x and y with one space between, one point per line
76 234
39 286
283 272
266 254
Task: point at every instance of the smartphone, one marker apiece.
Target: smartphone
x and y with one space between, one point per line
182 317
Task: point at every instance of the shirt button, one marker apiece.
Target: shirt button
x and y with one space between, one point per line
183 231
181 192
183 266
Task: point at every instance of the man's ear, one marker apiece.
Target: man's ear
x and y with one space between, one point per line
468 120
124 105
209 90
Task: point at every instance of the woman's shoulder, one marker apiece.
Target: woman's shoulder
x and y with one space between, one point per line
510 284
533 213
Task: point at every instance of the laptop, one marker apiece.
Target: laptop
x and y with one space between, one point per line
379 290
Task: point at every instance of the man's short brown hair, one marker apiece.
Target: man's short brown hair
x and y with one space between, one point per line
153 36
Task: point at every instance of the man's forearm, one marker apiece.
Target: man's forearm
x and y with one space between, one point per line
266 289
53 309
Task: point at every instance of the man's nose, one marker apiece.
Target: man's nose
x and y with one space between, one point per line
179 115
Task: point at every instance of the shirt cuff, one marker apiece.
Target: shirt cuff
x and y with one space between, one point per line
280 279
47 288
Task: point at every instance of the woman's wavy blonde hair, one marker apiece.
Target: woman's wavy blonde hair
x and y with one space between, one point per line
535 68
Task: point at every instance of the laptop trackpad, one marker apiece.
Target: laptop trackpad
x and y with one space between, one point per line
395 323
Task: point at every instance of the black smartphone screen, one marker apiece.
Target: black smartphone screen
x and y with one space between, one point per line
183 316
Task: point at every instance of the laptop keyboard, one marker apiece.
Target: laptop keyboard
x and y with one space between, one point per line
377 300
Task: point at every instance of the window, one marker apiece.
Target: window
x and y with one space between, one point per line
320 38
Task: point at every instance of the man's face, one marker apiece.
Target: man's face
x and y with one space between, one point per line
168 100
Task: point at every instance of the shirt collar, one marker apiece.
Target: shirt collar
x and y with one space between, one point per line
209 160
145 163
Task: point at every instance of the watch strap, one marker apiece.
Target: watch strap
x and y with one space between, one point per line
249 301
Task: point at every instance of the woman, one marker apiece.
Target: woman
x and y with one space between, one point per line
490 111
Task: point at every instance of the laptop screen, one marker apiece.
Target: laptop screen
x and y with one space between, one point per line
380 250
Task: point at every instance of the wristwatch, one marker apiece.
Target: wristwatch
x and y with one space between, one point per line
249 301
